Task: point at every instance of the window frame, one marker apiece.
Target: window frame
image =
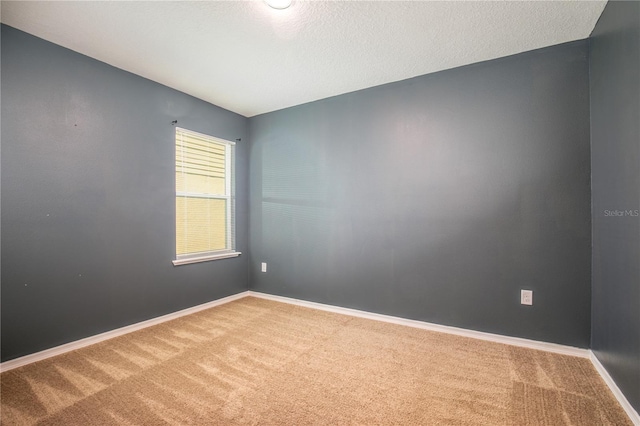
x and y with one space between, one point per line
228 197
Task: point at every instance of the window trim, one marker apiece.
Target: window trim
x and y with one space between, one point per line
229 197
205 258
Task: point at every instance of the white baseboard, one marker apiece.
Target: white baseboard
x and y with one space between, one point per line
626 405
514 341
71 346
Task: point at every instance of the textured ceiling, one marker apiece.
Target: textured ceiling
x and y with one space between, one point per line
251 59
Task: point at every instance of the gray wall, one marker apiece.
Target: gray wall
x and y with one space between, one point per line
88 197
615 145
436 198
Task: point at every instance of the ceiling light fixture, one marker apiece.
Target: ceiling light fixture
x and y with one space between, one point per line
279 4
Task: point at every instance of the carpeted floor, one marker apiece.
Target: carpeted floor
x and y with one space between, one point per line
255 361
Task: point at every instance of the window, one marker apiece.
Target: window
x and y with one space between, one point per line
204 198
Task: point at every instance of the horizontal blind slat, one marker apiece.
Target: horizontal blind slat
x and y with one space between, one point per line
200 163
201 144
198 166
201 170
181 149
189 136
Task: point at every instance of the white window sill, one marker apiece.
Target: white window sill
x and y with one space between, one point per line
206 258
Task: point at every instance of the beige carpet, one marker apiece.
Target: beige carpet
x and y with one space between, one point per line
255 361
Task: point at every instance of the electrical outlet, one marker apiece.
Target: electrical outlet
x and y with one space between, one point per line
526 297
264 266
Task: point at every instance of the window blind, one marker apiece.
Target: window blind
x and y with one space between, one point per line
204 194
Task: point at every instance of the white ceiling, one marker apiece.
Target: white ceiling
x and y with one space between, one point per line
251 59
